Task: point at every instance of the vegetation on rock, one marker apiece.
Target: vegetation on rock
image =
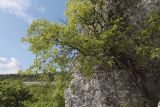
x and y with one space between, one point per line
96 37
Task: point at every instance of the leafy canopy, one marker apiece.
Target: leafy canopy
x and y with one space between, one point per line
97 36
92 36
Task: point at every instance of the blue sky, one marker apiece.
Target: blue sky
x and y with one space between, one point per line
15 16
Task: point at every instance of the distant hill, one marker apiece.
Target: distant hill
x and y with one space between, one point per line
37 77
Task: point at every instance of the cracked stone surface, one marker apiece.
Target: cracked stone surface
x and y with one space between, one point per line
109 89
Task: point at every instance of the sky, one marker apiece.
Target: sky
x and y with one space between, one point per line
15 17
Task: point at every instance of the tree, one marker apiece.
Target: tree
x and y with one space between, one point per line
100 36
13 94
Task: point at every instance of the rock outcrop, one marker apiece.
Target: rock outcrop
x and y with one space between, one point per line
105 89
114 88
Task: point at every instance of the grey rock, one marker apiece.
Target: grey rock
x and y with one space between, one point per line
159 104
105 89
110 89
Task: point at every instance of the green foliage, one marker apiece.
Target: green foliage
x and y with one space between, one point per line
58 93
49 94
13 94
94 38
41 95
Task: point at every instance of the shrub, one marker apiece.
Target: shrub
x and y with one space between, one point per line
13 94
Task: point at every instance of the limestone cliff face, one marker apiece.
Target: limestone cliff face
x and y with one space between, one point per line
105 89
111 89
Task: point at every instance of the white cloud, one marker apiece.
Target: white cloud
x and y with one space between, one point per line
19 8
9 66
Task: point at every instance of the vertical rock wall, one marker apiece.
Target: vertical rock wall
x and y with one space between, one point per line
105 89
110 89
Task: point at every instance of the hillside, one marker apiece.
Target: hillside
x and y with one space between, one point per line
27 78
